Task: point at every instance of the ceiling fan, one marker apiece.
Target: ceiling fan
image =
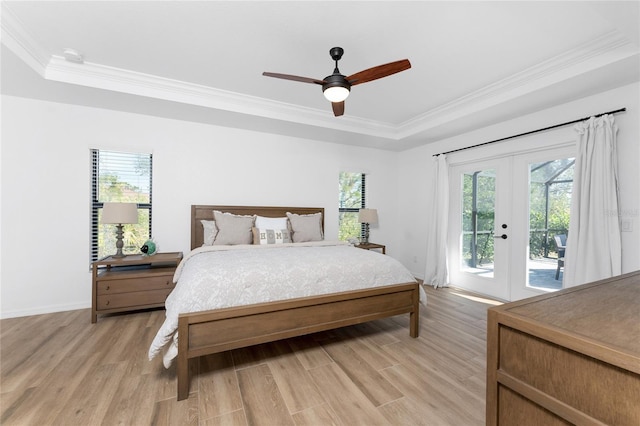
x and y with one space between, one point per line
336 87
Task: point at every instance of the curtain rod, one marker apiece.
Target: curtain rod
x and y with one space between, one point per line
532 131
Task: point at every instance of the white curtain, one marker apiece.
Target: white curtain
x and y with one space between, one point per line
436 273
594 245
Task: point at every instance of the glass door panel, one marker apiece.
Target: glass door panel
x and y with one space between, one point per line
477 251
550 185
543 182
478 217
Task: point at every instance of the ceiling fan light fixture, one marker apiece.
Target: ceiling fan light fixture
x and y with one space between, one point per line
336 93
336 87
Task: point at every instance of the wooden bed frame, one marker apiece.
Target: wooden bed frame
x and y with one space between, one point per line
219 330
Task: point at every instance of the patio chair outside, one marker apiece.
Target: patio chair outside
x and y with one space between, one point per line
561 244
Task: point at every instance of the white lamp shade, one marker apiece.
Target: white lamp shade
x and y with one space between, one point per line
368 216
120 213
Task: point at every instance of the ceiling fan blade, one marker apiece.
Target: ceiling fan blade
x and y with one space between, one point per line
293 77
338 108
379 72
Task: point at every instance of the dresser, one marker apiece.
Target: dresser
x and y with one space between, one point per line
569 357
132 282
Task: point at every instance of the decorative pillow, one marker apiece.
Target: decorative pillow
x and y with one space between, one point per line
233 229
210 231
271 236
271 222
306 227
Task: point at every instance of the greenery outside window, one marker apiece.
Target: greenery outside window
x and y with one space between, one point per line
352 198
120 177
551 185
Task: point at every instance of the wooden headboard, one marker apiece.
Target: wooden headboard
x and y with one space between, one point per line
202 212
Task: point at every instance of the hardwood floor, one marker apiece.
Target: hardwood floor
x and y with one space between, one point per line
60 369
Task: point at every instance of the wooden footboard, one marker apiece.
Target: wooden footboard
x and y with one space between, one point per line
209 332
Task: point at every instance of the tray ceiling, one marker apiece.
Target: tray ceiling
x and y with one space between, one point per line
473 63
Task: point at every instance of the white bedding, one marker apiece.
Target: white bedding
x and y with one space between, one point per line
215 277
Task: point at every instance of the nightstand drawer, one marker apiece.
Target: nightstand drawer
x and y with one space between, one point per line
137 299
135 284
132 282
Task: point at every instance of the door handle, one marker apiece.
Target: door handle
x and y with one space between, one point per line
503 236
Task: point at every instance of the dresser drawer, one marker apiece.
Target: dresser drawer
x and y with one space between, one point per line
569 377
522 411
138 299
128 285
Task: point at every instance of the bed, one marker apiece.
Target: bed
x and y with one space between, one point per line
210 331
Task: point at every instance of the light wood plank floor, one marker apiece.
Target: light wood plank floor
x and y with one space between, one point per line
60 369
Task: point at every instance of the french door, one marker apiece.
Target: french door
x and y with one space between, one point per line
505 214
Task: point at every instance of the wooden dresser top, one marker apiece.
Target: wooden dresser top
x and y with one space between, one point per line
606 311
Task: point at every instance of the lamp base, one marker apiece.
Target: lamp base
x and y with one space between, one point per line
365 239
119 242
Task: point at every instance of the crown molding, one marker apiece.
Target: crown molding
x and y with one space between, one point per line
607 49
21 42
116 79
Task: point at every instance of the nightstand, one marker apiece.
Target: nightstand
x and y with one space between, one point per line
132 282
371 246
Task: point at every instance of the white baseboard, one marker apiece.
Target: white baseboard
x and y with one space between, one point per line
43 310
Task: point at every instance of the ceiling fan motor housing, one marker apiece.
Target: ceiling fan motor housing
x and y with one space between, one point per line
336 80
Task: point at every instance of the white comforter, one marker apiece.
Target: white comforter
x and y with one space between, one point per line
215 277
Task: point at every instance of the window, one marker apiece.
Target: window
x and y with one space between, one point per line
352 199
120 177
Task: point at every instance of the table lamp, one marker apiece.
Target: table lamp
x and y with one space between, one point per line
367 216
119 214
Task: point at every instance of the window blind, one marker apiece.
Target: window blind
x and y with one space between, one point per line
352 199
120 177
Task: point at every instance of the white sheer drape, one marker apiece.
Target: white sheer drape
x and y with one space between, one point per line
594 245
436 273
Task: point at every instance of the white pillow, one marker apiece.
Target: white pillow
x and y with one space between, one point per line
210 231
271 222
306 227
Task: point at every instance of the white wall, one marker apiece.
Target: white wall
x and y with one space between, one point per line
45 184
416 166
45 188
